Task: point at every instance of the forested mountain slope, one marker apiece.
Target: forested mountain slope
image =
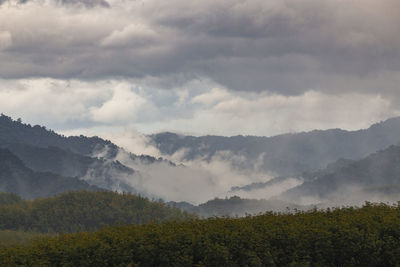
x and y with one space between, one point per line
16 178
91 159
14 131
96 171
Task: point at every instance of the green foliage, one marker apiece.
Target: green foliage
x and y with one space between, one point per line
7 198
9 237
83 211
367 236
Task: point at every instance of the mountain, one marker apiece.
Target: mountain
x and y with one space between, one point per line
289 181
16 178
96 171
14 131
287 154
375 177
91 159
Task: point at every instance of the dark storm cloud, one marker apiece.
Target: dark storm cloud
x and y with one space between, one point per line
287 47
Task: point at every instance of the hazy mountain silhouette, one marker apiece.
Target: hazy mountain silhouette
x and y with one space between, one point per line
14 131
16 178
89 158
38 162
378 173
287 154
305 176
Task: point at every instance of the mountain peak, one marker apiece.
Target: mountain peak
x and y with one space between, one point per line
15 131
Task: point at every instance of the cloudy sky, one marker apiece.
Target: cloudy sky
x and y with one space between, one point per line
259 67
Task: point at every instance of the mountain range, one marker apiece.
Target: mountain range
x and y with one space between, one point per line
375 177
332 166
16 178
287 154
91 159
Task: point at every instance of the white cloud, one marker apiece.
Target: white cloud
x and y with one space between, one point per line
132 35
192 108
47 100
196 182
211 97
120 108
271 114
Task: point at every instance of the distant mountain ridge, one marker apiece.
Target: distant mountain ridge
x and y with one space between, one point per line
92 159
37 162
305 176
14 131
378 173
97 171
287 154
16 178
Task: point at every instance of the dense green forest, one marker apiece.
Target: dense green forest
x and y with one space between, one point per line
10 237
367 236
81 211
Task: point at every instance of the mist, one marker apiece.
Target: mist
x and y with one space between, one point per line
193 181
174 178
197 171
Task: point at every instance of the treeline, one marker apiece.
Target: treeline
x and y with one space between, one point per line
81 211
236 206
367 236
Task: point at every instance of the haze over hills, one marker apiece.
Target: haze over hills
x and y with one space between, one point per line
214 167
97 171
16 178
373 178
262 189
285 155
89 158
285 94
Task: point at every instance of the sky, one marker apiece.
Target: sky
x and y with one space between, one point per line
225 67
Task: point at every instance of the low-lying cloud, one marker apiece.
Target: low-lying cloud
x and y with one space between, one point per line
194 181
